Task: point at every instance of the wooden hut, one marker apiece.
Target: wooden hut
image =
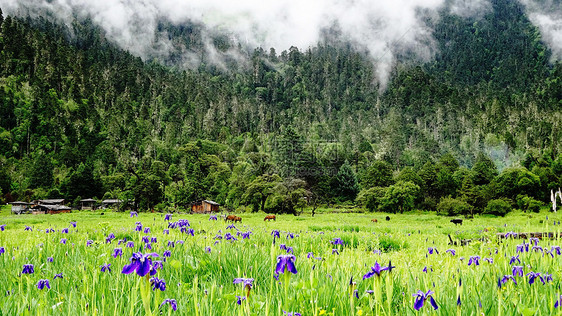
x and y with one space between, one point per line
111 203
20 207
87 204
51 209
205 206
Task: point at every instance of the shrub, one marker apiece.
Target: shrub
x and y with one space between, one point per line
497 207
372 198
452 207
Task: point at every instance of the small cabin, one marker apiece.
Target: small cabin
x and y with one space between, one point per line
20 207
111 203
51 209
87 204
205 206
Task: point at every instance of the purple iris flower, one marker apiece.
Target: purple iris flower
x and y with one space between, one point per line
240 299
147 230
292 313
172 224
157 283
168 217
246 235
231 226
2 227
283 247
183 223
130 244
523 247
49 230
189 231
117 252
375 270
156 264
517 270
50 259
218 237
337 241
275 233
64 230
228 236
247 282
179 242
133 213
430 250
73 224
453 252
534 275
167 253
507 278
208 249
58 275
514 259
548 277
424 269
310 255
166 231
377 252
290 235
334 251
172 303
475 260
558 302
141 263
556 249
510 235
139 227
43 283
537 249
63 241
106 267
286 262
89 243
490 260
171 244
534 240
28 269
28 228
421 297
213 217
2 250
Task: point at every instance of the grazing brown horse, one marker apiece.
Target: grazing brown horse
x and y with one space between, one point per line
237 219
269 217
374 220
230 218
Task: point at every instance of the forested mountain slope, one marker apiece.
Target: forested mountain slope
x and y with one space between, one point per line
82 118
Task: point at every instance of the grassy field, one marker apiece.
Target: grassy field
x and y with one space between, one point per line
201 261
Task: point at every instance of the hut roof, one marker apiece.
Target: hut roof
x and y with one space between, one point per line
52 201
88 200
20 203
111 201
212 202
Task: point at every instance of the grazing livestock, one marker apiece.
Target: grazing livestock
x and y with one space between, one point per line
374 220
237 219
388 218
269 217
456 221
230 218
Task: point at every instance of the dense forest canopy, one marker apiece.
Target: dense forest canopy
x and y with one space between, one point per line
475 127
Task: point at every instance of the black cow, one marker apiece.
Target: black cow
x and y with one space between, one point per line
388 218
456 221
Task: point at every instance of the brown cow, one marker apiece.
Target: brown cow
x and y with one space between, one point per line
269 217
374 220
230 218
237 219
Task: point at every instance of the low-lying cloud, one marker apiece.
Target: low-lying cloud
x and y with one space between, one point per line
382 29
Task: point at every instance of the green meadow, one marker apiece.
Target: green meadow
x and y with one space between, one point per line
198 268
